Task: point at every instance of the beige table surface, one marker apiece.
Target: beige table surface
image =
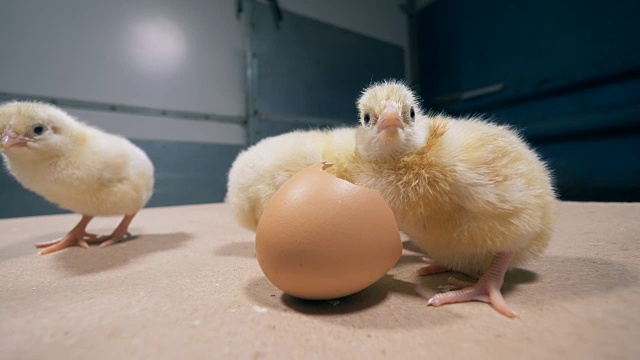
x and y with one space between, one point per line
189 287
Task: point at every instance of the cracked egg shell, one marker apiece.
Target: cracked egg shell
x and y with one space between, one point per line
321 237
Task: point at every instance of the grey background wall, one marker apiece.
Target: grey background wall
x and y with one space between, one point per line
298 85
170 75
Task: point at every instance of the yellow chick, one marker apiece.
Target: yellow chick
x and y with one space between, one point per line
76 166
470 193
259 171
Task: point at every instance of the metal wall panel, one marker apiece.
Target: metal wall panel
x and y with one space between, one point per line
306 68
595 169
530 47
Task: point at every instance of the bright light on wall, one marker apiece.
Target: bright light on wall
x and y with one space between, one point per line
156 45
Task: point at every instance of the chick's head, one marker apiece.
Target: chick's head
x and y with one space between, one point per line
388 114
33 130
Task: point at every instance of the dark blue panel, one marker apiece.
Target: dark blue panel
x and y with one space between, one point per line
605 108
596 169
186 173
309 68
530 46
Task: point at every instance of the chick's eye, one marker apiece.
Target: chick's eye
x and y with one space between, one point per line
412 113
366 119
38 129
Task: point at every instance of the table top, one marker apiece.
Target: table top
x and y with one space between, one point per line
189 286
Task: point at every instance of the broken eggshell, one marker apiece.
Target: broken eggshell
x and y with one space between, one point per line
321 237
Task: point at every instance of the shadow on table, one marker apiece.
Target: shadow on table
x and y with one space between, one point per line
77 261
392 302
237 249
389 303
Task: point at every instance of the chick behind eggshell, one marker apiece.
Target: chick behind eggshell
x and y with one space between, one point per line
259 171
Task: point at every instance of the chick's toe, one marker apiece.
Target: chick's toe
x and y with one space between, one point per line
121 232
487 289
76 236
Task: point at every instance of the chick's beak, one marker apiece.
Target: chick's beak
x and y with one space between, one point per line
11 138
390 117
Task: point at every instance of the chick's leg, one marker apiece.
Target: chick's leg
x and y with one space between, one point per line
76 236
433 267
121 232
487 288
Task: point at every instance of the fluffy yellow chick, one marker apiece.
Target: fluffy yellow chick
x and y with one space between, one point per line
76 166
259 171
470 193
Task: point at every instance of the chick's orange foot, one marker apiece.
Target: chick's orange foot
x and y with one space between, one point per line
109 240
120 233
487 289
77 236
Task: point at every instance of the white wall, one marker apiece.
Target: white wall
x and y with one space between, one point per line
166 54
178 55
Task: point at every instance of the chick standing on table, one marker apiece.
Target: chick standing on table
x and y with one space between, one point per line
75 166
470 193
259 171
